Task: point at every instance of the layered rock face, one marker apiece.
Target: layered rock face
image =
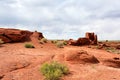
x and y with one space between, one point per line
90 38
16 35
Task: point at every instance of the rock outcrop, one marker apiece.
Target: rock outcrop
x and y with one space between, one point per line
118 47
76 57
16 35
36 36
81 56
83 41
72 42
115 62
90 38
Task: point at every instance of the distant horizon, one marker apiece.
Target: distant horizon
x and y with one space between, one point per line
60 38
63 19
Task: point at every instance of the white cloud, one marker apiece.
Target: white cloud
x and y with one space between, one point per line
63 18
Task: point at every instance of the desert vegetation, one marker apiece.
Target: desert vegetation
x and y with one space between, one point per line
59 43
112 50
53 70
29 45
54 41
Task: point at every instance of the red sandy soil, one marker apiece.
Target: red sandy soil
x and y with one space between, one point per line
20 63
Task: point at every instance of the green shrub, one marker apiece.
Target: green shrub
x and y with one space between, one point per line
29 45
65 43
1 41
60 44
53 70
54 41
106 40
110 49
43 40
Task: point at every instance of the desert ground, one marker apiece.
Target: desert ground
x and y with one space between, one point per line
20 63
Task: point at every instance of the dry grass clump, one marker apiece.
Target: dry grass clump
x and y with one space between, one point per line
59 44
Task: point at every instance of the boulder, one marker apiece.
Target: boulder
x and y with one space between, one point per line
83 41
80 41
80 57
118 47
72 42
16 35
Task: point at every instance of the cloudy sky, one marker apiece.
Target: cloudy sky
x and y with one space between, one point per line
63 19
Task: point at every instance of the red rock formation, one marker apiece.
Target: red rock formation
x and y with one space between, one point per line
72 42
95 39
118 47
35 38
5 39
90 38
16 35
80 41
80 57
83 41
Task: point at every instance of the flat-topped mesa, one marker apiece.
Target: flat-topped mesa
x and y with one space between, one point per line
90 38
16 35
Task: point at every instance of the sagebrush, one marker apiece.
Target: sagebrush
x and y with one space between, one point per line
29 45
54 41
53 70
60 44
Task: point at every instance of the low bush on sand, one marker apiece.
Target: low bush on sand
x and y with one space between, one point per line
60 44
53 70
54 41
112 50
29 45
64 42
